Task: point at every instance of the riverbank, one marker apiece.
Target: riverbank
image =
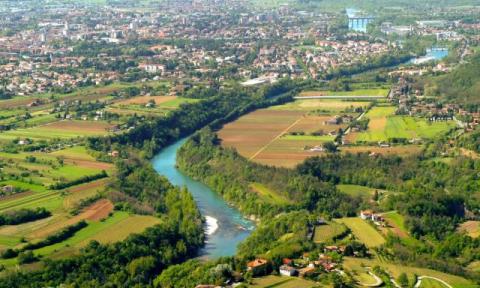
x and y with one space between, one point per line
225 227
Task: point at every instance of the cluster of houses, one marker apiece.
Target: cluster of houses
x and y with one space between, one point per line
57 66
330 53
370 215
411 103
337 119
303 267
442 30
324 262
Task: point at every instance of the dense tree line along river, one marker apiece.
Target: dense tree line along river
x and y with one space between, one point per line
225 226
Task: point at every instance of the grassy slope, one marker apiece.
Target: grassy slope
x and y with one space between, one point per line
363 231
269 195
325 233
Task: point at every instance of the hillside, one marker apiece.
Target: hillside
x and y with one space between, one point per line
460 86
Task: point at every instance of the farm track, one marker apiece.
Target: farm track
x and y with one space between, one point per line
16 196
420 278
377 283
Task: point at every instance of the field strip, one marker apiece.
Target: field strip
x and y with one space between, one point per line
21 202
275 138
339 97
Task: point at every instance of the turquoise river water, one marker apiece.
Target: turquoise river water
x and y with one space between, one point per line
225 227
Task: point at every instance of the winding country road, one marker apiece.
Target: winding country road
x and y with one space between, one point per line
420 278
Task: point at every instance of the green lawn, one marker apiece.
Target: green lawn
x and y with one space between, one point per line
271 281
326 233
41 119
47 199
269 195
22 155
430 283
71 172
76 152
380 112
45 133
384 126
24 186
9 241
175 103
159 109
361 92
356 190
397 219
92 229
363 231
115 228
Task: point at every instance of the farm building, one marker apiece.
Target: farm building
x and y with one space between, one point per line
257 266
370 215
309 270
333 121
7 189
286 270
366 214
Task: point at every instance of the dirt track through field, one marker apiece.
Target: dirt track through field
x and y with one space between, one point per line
276 138
90 185
97 211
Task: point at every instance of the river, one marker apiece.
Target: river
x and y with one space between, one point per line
225 226
432 54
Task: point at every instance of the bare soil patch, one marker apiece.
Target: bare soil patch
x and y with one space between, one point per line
80 126
95 212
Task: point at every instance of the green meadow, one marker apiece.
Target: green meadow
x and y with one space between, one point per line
268 194
363 231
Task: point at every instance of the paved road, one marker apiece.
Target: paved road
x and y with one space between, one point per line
420 278
377 279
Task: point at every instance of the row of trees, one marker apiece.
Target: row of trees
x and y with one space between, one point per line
433 196
16 217
231 175
151 136
135 261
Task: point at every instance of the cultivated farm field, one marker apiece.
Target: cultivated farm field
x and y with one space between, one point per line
385 125
471 228
283 135
137 105
65 129
32 174
356 92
